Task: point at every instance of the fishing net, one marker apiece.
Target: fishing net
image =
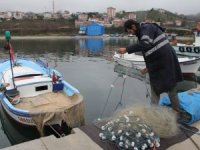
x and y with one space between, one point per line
139 127
51 107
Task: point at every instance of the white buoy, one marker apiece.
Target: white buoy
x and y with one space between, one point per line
121 138
121 144
113 138
138 135
103 127
157 144
143 130
135 148
132 144
119 131
151 134
101 134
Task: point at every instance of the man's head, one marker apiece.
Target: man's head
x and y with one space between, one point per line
131 26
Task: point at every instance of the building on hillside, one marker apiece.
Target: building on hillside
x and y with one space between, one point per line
111 12
117 23
83 17
132 15
18 15
66 14
47 15
2 15
178 23
31 15
95 29
168 23
79 23
82 30
8 15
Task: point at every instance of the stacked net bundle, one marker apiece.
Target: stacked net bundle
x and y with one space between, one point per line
129 132
139 127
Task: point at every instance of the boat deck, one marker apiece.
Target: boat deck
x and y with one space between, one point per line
48 101
53 108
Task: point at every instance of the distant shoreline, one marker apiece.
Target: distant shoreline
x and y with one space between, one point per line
32 37
54 37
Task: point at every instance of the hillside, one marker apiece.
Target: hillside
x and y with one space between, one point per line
38 27
158 15
66 27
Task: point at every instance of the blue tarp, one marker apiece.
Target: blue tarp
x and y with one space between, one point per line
189 102
94 29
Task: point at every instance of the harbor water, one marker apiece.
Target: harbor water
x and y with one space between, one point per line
87 64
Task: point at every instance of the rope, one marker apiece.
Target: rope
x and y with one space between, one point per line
111 87
55 130
147 89
190 130
120 102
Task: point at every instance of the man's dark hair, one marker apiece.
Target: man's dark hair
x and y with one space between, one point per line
128 24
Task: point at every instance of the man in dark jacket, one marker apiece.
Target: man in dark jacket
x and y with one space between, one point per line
160 58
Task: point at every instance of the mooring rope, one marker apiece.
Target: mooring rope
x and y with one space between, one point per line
55 130
120 102
111 87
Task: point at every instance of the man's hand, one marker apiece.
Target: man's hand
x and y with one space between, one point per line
121 50
144 71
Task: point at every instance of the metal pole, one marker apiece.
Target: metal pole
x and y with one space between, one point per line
11 65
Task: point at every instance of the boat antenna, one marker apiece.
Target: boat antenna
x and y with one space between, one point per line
8 46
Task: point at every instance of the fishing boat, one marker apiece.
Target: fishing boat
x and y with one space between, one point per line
189 50
188 64
34 94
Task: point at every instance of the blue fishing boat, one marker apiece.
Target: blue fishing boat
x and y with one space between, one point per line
34 94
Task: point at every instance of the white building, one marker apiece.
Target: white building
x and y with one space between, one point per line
47 15
18 15
66 14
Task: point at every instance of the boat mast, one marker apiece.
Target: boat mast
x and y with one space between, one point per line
7 46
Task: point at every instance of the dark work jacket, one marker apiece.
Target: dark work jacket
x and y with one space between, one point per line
160 57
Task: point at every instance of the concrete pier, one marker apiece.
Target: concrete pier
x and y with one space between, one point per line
79 140
76 141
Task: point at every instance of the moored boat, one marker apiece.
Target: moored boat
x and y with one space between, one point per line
188 64
189 50
34 94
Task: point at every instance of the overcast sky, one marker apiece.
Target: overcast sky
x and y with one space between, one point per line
178 6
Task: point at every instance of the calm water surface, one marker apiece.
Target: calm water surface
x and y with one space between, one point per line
87 64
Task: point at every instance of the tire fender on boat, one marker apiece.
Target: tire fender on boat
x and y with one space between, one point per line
189 49
197 49
181 49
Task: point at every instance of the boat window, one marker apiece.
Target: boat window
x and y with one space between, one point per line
41 88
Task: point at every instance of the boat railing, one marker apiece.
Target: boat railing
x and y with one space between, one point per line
2 78
41 63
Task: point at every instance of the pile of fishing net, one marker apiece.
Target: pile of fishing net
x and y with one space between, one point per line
139 127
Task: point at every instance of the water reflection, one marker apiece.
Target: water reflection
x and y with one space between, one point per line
87 64
93 47
15 132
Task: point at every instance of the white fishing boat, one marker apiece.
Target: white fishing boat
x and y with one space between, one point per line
189 50
188 64
33 94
